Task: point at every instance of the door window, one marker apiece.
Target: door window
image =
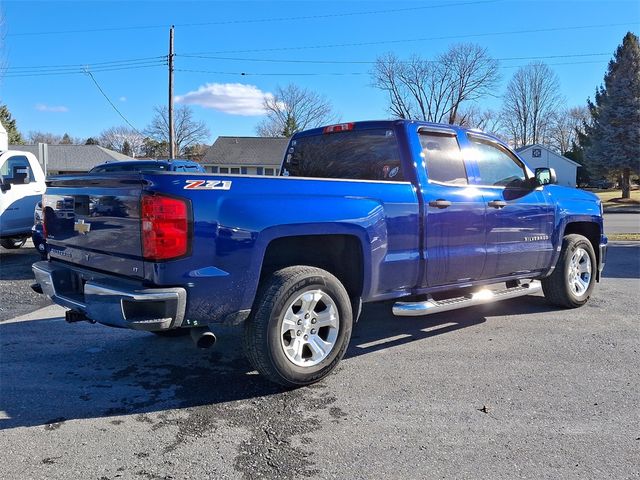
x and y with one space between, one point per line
496 165
443 158
17 170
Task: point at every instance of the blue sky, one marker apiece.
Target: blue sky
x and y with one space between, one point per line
53 34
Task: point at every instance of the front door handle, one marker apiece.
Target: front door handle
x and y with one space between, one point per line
497 204
440 203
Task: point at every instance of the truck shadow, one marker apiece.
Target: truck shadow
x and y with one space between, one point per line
16 264
52 372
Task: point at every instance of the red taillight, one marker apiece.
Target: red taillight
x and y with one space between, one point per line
341 127
165 227
43 218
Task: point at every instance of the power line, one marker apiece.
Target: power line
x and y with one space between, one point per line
110 102
414 40
110 62
370 62
79 71
318 74
259 20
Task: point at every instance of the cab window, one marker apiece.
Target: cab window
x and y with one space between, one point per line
370 154
496 165
16 170
443 158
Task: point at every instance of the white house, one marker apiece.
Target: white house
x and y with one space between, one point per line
540 156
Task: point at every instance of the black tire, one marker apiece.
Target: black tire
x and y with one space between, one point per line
176 332
557 288
13 242
263 337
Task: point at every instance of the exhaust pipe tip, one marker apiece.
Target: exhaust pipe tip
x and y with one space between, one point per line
203 338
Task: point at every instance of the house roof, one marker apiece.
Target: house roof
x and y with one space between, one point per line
74 158
549 151
255 151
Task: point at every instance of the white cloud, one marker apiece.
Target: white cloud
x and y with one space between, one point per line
231 98
123 99
42 107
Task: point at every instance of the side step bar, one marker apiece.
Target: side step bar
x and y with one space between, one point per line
429 306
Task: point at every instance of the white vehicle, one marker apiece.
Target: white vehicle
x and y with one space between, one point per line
21 188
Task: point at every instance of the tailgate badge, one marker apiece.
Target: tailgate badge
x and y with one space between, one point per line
81 227
207 185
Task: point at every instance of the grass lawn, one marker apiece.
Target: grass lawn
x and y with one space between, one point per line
624 237
612 199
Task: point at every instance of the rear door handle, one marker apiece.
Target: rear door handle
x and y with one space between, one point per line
440 203
497 204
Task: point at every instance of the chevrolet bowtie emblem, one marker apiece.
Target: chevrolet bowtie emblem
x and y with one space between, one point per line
81 227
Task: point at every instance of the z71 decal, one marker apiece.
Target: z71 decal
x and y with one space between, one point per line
208 185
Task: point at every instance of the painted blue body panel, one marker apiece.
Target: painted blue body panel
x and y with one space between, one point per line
407 246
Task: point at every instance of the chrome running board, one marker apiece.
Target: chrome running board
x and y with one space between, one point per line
429 306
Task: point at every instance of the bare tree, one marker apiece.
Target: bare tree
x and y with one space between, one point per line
566 125
188 130
123 139
488 121
291 109
35 136
531 100
436 90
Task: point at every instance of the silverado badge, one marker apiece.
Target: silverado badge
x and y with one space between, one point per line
81 227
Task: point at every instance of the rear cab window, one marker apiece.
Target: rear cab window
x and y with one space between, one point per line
443 159
367 154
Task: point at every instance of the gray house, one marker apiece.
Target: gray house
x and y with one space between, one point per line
61 159
246 155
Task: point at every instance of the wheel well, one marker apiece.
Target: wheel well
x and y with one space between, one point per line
340 255
589 230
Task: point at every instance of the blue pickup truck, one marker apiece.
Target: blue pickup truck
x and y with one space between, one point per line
435 217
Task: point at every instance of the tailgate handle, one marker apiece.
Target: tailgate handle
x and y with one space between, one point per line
440 203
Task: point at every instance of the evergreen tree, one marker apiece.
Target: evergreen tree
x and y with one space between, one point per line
9 124
612 141
91 141
66 140
126 148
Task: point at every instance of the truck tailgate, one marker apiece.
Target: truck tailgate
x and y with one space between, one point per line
94 221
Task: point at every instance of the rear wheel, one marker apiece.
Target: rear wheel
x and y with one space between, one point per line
300 326
13 242
572 281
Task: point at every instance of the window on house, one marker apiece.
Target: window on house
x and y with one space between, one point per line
235 170
269 171
224 169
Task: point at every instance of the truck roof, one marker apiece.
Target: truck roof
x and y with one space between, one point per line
366 124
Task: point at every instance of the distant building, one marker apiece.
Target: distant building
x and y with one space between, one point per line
62 159
540 156
246 155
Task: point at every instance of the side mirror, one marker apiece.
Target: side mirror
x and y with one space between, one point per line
5 184
546 176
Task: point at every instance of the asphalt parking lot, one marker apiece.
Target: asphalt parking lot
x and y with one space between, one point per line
513 390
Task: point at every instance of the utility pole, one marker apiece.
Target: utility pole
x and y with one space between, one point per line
172 140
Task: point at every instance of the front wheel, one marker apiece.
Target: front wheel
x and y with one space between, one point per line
13 242
300 326
573 279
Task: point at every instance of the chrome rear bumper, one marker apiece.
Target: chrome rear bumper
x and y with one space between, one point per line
111 301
